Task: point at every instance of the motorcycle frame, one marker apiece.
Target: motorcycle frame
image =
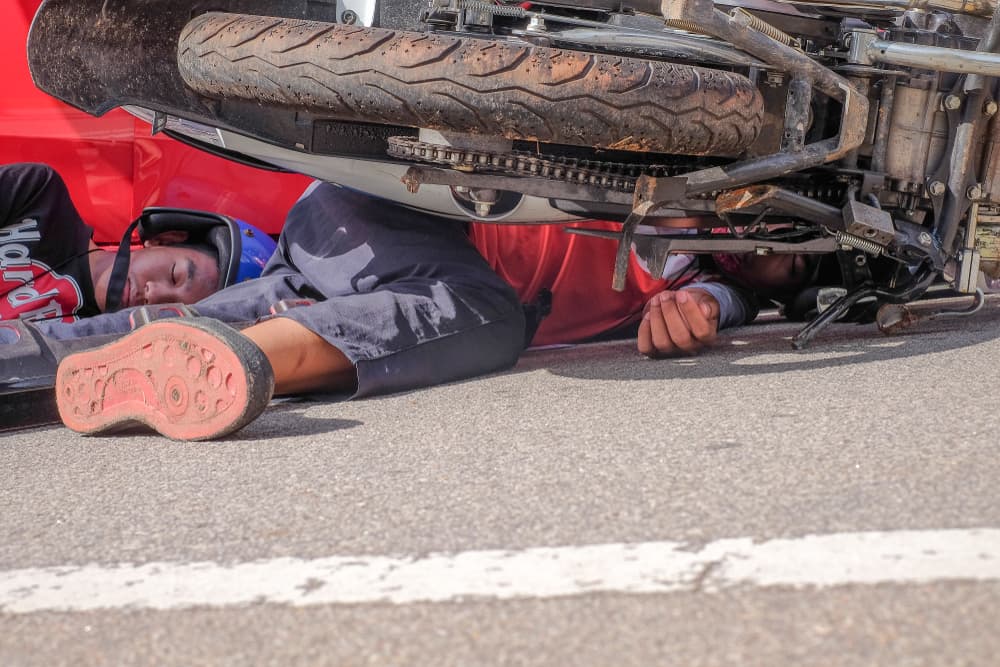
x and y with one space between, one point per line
98 85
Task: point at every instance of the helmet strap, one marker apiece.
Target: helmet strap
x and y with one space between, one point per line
119 271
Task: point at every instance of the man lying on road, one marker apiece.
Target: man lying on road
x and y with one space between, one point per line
51 269
394 300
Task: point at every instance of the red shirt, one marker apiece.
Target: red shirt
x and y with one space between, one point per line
576 269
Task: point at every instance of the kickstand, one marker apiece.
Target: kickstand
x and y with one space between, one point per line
921 281
625 243
836 310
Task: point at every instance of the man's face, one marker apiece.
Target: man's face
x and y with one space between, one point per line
774 273
163 274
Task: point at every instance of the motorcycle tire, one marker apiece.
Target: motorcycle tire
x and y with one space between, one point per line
471 85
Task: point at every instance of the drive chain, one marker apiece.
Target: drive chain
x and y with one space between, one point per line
609 175
618 176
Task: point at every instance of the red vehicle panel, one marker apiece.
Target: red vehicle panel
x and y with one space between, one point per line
112 165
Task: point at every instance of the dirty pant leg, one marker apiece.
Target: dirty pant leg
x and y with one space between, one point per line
33 356
245 302
419 334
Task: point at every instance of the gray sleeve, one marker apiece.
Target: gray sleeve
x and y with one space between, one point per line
734 307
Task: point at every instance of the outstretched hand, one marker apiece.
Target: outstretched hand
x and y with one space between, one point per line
678 322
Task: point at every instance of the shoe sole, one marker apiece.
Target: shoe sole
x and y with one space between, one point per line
195 379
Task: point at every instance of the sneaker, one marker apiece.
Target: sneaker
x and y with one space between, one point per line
188 379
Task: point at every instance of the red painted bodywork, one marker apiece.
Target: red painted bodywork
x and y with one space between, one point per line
112 165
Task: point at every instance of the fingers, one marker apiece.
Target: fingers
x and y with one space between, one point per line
658 330
675 315
697 315
654 339
645 341
676 322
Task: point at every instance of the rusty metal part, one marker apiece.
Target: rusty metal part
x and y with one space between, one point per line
689 26
771 196
417 176
654 249
963 155
606 175
797 111
580 180
868 223
760 25
715 243
854 115
983 8
895 317
882 124
667 43
921 281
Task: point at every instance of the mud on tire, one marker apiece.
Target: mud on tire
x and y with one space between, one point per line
471 85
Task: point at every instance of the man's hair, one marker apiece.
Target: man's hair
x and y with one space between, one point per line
206 248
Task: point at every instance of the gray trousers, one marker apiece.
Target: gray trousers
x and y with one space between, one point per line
405 296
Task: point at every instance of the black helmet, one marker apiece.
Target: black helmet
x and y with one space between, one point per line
240 248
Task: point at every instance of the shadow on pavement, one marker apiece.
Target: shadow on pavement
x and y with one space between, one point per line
766 348
290 417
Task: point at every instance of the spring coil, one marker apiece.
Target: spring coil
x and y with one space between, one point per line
511 11
689 26
858 243
760 25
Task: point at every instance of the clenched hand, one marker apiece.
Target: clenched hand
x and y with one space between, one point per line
676 322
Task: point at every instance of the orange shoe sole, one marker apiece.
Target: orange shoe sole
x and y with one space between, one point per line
188 379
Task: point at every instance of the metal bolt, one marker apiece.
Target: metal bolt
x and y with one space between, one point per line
936 188
860 260
536 24
974 191
483 209
349 17
952 102
990 108
925 239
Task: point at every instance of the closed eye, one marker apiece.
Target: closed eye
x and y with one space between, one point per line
173 276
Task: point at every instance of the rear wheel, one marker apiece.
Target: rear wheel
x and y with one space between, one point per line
471 85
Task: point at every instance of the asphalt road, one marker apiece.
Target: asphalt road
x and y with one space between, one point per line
593 445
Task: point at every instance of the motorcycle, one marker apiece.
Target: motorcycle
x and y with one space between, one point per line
863 131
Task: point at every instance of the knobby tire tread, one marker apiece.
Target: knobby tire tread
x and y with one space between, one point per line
471 85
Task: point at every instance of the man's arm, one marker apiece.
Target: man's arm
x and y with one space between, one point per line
685 321
22 187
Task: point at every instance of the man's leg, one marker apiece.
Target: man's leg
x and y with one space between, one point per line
302 360
187 378
192 381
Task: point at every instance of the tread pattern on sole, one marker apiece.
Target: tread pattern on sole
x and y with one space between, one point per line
186 379
471 85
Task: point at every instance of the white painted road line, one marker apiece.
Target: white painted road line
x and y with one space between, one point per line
914 557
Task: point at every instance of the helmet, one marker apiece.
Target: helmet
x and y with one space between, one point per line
242 249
